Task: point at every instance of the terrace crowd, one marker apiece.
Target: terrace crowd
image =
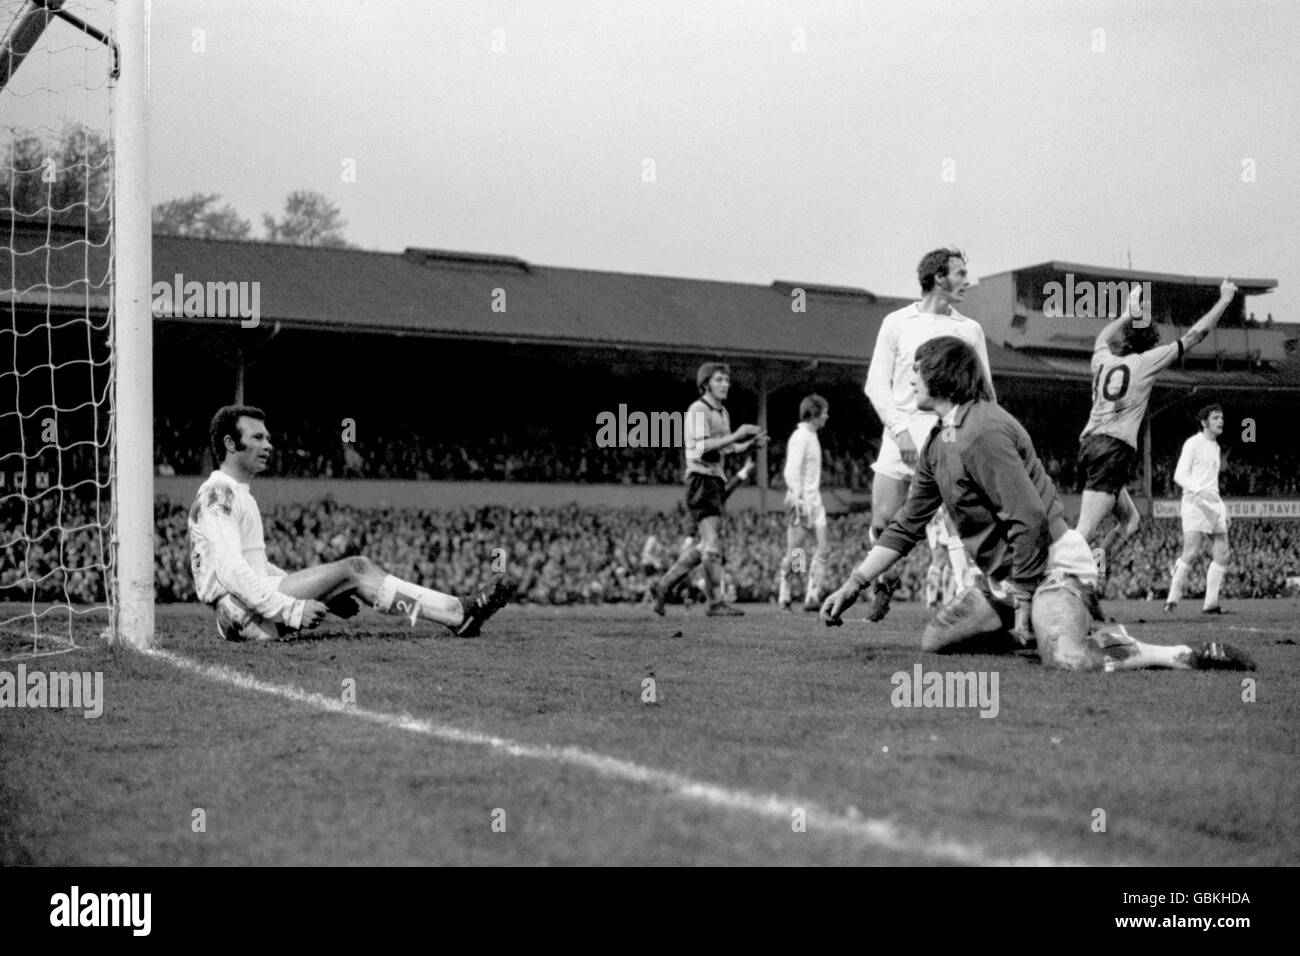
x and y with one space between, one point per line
564 555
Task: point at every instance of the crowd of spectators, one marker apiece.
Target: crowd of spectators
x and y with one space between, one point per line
570 555
397 451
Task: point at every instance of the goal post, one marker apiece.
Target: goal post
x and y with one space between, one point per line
133 330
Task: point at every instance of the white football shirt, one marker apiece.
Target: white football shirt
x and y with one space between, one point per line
228 551
803 462
889 378
1198 468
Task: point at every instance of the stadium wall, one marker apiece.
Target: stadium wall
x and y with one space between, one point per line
453 495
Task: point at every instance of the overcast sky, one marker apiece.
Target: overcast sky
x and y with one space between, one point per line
793 140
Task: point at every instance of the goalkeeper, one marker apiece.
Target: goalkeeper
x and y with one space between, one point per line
1038 573
255 600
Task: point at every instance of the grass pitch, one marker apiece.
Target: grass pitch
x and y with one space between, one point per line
790 722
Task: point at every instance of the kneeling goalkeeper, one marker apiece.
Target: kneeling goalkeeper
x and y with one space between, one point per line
255 600
1038 573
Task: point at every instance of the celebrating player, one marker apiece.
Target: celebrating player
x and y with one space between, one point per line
1203 510
1126 359
980 463
805 513
255 600
943 278
708 437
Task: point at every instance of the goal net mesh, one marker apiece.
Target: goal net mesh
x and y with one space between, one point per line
57 582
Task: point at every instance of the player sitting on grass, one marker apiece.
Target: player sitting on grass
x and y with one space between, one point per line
980 464
254 599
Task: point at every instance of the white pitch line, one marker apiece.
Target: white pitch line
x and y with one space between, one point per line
874 832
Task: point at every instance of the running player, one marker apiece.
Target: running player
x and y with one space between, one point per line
708 438
805 513
1204 512
1037 570
1127 357
255 600
943 277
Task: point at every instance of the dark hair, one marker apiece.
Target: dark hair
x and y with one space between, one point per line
226 422
812 406
707 371
951 370
935 264
1136 339
1204 414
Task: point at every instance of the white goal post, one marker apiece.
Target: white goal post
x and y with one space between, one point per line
133 330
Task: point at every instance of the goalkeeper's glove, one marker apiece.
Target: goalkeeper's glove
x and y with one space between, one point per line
841 600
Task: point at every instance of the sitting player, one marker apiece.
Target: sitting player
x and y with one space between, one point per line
254 599
1038 572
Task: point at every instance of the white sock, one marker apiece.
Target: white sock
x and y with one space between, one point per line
816 572
1180 578
413 602
957 556
1214 581
1124 653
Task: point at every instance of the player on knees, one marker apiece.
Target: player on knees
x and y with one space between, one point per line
943 278
805 513
254 599
1127 357
980 463
1203 511
708 438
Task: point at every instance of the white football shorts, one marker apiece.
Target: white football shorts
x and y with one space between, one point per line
890 460
1207 515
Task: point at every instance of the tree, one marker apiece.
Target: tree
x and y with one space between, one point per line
198 216
310 219
67 180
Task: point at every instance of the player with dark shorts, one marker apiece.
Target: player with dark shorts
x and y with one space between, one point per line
708 438
1127 357
1106 463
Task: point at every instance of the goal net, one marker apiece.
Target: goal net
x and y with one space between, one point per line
61 248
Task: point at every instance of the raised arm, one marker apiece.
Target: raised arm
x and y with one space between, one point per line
1132 309
1210 319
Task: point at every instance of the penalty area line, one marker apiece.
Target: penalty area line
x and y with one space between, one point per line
883 834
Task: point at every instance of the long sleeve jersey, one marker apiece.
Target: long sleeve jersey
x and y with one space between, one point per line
1198 467
228 552
998 494
803 463
889 377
